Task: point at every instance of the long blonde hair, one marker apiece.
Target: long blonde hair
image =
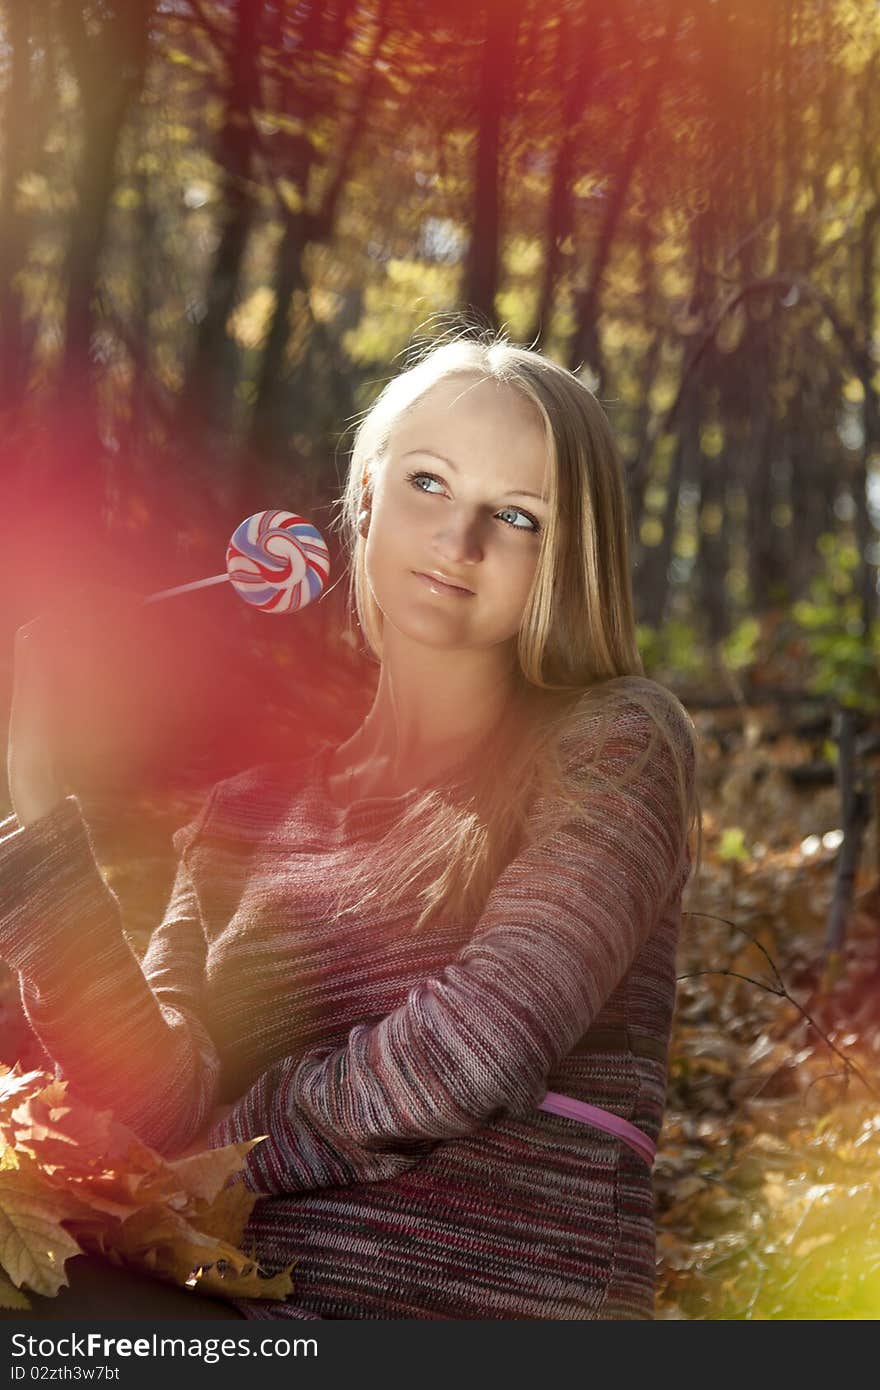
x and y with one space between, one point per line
576 647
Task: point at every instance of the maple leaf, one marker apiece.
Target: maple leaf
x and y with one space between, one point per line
33 1243
59 1128
14 1082
74 1180
229 1212
174 1249
206 1174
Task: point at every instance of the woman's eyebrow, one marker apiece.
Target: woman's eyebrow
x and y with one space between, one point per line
508 492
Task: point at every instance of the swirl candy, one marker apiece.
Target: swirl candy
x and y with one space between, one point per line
276 561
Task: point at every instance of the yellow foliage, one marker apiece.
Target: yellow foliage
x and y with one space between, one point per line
661 396
587 185
674 282
523 255
614 334
326 304
249 323
854 390
861 25
655 497
687 544
666 252
832 231
413 274
515 309
834 175
409 291
711 441
291 194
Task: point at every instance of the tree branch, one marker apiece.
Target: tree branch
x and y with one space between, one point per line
780 990
860 357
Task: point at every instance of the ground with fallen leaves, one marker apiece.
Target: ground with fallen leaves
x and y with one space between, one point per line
768 1171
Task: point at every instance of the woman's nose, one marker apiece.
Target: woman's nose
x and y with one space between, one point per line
461 539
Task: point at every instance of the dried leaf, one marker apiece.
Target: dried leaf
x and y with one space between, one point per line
33 1243
74 1179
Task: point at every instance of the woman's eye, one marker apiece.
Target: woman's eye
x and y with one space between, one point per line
412 477
533 524
533 527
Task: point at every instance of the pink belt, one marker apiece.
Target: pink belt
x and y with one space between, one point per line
572 1109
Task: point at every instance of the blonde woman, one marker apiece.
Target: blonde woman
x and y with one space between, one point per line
433 965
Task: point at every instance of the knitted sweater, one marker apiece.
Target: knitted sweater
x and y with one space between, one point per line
407 1170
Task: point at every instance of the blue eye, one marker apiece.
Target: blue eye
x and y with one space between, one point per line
533 529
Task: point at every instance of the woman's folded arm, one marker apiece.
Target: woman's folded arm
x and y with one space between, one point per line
564 922
127 1035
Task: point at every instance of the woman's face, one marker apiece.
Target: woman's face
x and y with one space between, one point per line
451 499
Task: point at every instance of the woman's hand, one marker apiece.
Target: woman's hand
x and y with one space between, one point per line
63 658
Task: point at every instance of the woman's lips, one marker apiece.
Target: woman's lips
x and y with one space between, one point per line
438 587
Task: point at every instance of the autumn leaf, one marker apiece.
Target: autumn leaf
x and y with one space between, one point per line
205 1174
33 1243
75 1180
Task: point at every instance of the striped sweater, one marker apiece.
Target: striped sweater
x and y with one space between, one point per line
407 1170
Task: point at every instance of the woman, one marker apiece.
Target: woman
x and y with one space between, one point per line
384 956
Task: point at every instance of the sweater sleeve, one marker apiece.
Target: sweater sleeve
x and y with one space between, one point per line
126 1034
562 925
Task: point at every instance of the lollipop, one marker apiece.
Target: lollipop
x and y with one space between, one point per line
276 561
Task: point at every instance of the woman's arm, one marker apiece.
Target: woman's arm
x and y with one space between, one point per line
127 1036
561 927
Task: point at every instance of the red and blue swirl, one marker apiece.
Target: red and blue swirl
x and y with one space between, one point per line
277 561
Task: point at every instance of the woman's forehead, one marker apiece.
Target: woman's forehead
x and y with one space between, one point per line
478 405
460 393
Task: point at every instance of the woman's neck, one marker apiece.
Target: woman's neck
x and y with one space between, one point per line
426 746
424 715
374 761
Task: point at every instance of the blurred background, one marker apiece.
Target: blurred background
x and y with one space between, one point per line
222 225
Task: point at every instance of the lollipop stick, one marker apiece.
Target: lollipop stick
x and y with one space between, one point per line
185 588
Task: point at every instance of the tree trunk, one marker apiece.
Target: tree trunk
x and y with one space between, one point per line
496 83
654 586
866 578
585 346
577 85
13 239
208 392
711 562
110 72
281 393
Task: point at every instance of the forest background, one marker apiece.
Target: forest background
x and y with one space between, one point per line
223 224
